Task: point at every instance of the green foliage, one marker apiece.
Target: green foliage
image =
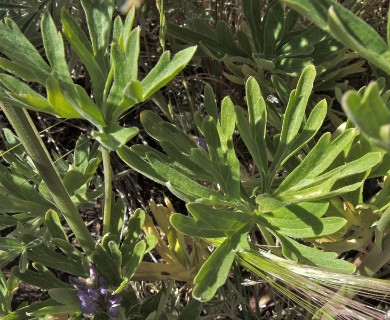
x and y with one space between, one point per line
273 42
262 176
224 205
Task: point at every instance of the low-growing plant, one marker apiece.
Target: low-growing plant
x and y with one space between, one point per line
289 212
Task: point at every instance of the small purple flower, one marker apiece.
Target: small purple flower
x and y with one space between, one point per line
94 296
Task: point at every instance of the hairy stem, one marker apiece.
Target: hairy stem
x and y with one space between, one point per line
107 206
29 137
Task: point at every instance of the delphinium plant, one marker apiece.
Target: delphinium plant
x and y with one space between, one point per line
289 212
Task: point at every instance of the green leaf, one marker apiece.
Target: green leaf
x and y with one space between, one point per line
295 110
99 20
302 220
65 296
209 102
114 136
370 114
314 257
42 278
21 70
253 130
165 70
346 28
22 93
108 266
162 130
20 50
133 159
273 29
215 270
53 225
86 107
313 124
49 306
59 104
252 13
47 257
135 259
12 204
188 189
135 225
83 49
54 48
7 244
318 159
125 64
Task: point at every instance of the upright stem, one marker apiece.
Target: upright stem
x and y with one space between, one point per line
107 206
29 137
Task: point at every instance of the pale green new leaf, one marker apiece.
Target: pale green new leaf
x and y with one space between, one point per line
165 70
59 104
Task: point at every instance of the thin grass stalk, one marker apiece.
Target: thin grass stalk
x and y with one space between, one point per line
29 137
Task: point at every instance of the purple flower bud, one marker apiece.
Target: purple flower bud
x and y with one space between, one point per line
84 296
77 282
201 142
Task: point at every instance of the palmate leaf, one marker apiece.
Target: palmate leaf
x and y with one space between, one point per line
214 271
309 181
346 28
165 70
302 220
20 50
83 49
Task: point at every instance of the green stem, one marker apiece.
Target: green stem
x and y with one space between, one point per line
29 137
107 206
267 236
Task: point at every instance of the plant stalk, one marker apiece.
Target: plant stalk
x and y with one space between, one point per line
29 137
107 206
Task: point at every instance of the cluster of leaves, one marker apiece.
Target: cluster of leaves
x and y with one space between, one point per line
299 188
